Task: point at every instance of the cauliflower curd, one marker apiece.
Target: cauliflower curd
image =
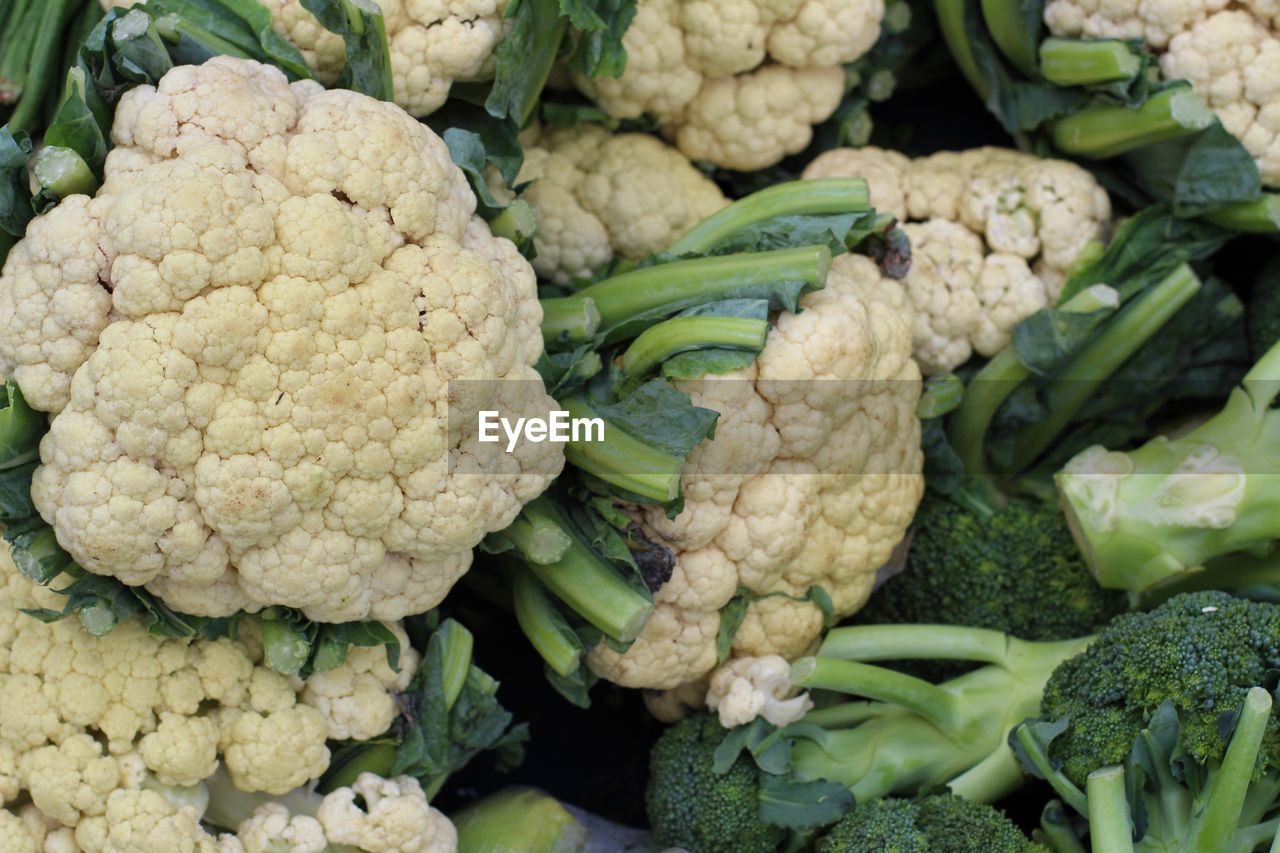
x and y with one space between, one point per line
811 480
993 234
738 82
247 340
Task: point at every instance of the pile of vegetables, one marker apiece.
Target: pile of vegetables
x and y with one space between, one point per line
919 493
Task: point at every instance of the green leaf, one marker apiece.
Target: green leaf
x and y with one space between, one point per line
802 805
659 415
21 428
525 57
598 51
1196 174
364 34
15 196
731 616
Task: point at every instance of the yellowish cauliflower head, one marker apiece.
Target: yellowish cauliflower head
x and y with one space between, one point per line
1228 52
993 233
85 719
432 44
386 816
248 339
599 195
811 480
738 82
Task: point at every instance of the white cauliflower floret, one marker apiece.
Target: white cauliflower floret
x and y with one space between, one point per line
394 816
249 351
993 234
143 822
1229 53
357 699
598 194
750 687
806 483
432 45
272 829
738 82
84 718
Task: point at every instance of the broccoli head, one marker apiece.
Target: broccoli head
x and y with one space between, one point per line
1201 652
940 823
691 806
1016 571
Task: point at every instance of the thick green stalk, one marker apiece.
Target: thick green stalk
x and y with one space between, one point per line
21 22
1107 130
875 682
1110 829
816 197
595 591
542 623
951 21
517 222
990 780
847 714
685 284
941 396
658 343
61 172
459 644
1260 216
1055 826
41 72
1119 339
537 534
622 459
569 320
518 819
1005 22
1076 62
908 642
983 397
1229 784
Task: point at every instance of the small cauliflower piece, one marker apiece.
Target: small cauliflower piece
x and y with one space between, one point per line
272 829
806 483
749 687
18 835
599 194
993 235
738 83
395 817
247 340
357 699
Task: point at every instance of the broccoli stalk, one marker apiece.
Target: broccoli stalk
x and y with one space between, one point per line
1160 513
914 735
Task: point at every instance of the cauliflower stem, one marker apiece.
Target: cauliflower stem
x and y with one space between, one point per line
1161 513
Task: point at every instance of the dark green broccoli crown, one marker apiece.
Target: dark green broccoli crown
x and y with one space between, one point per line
1263 316
940 823
1200 651
1017 571
691 806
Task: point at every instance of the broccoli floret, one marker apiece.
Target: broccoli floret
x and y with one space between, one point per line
1201 652
691 806
1263 317
940 823
1017 571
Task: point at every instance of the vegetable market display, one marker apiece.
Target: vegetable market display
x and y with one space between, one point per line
933 350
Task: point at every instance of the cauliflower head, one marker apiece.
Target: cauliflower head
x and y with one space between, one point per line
432 45
1228 52
738 82
598 195
811 480
993 235
247 340
84 718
